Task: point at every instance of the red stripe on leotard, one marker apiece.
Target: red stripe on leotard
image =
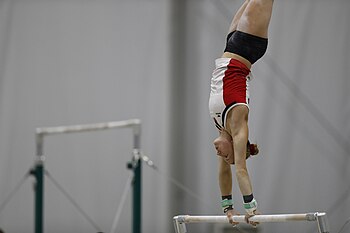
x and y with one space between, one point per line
235 83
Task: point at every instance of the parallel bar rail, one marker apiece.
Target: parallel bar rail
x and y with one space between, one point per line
87 127
45 131
321 219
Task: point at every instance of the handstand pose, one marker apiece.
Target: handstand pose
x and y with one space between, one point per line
229 99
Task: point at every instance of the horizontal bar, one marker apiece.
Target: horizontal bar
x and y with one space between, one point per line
44 131
241 218
320 218
87 127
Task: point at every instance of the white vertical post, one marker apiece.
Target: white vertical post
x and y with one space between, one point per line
322 223
179 224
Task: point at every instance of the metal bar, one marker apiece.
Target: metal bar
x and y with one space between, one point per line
137 185
180 227
322 223
321 218
44 131
137 189
256 218
38 173
87 127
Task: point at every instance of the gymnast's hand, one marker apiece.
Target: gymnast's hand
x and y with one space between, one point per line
231 213
248 216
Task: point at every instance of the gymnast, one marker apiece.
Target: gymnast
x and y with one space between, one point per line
229 100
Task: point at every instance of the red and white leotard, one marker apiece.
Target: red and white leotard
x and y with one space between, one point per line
229 88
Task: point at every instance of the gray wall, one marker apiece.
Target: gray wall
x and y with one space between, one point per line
84 61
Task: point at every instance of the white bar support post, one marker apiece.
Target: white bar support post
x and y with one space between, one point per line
179 224
321 219
322 222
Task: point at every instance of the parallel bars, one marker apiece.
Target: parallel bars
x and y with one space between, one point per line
38 170
321 218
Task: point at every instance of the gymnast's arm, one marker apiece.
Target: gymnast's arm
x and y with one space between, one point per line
225 183
225 177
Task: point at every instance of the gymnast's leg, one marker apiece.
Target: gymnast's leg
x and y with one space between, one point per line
254 21
256 17
237 17
223 145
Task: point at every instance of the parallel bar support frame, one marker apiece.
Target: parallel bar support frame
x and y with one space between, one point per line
38 170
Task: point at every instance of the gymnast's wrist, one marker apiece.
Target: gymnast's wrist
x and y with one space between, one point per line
251 207
226 203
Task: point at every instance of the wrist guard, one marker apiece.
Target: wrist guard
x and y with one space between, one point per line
250 207
227 203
